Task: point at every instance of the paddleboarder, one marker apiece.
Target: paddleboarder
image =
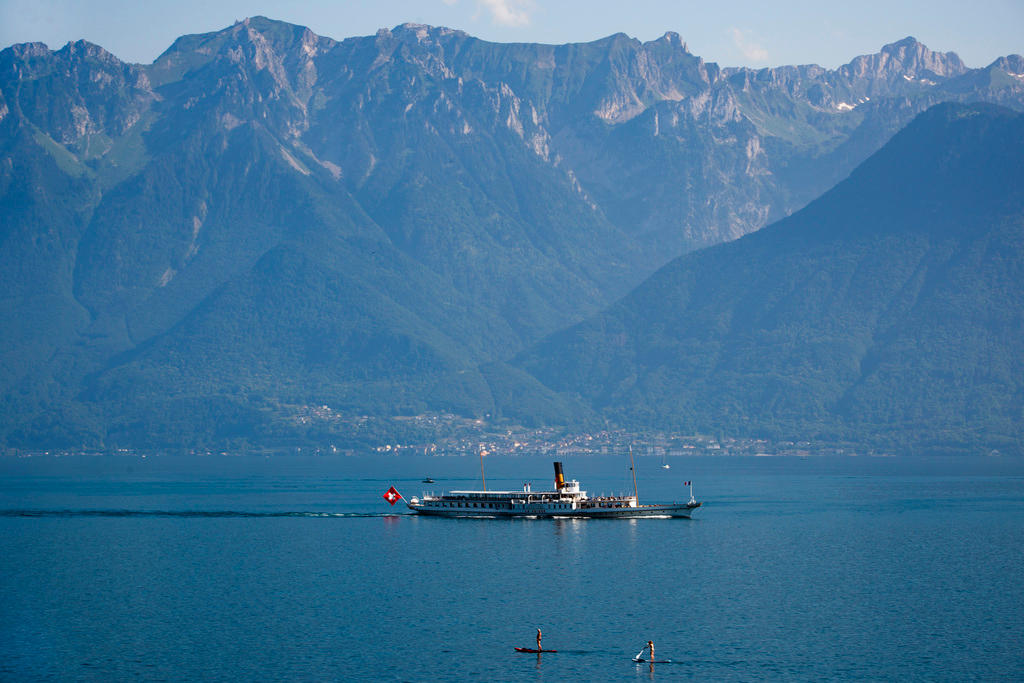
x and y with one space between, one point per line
649 646
538 641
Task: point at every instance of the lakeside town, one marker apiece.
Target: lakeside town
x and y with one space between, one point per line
460 436
447 435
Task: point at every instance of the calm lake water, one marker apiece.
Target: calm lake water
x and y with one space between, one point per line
292 568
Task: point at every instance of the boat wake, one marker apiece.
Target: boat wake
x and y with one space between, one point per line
188 513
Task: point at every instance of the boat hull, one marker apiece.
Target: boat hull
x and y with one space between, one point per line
684 510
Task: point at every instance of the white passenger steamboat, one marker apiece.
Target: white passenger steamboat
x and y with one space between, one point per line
566 500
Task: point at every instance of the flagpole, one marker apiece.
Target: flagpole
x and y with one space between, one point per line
482 477
632 468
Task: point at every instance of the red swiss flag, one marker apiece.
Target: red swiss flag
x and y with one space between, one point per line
392 495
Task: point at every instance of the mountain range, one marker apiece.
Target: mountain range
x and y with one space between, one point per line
888 312
265 218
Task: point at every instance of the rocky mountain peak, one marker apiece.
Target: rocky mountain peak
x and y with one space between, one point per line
257 38
672 39
267 40
83 49
421 34
1011 64
917 58
621 40
102 94
27 50
907 59
285 52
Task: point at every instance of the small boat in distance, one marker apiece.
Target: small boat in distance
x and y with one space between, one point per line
566 500
428 480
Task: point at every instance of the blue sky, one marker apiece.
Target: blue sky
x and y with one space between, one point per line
737 33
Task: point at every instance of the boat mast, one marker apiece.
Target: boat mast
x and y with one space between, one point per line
633 470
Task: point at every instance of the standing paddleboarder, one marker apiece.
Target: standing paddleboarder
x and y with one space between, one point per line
648 646
538 640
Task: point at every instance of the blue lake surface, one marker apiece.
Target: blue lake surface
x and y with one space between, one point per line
293 568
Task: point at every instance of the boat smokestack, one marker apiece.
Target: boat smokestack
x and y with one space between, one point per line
559 479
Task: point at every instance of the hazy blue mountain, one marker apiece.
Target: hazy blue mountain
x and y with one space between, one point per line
264 216
890 311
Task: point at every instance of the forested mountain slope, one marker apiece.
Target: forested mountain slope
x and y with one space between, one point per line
889 311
